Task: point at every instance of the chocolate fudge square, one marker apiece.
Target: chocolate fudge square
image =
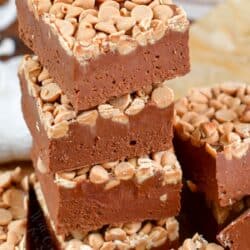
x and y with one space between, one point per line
99 51
132 125
138 189
212 141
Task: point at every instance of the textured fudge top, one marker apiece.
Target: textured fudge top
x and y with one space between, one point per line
56 112
110 174
199 243
216 117
137 235
13 208
88 28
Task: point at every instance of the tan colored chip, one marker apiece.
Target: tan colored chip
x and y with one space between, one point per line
163 96
50 92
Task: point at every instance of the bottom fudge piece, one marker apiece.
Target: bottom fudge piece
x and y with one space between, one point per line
212 134
236 235
160 235
137 189
199 243
14 187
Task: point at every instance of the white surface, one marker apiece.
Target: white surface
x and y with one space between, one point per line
15 140
7 14
7 47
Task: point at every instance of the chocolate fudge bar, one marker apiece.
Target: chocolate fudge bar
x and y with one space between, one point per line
199 243
99 51
212 141
158 235
137 189
13 208
132 125
236 235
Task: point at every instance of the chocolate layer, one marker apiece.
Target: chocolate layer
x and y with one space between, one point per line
223 181
155 197
148 131
236 235
149 234
110 75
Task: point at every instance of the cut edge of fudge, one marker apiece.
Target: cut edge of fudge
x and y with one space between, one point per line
14 196
236 235
100 192
212 130
129 235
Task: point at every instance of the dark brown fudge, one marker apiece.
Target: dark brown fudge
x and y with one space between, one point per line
212 141
138 189
98 52
14 188
129 126
236 235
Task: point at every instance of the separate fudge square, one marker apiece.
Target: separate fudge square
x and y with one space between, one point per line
212 141
138 189
99 51
132 125
199 243
236 235
14 186
157 235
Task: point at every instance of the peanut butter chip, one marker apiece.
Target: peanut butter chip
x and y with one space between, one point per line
5 217
107 12
98 175
163 96
163 12
50 92
41 166
5 179
158 236
65 27
124 171
88 118
141 12
225 115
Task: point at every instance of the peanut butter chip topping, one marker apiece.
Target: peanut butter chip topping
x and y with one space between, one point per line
216 117
56 112
88 28
110 174
13 208
199 243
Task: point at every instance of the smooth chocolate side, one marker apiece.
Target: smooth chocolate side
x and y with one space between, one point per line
110 75
97 207
236 235
223 181
149 131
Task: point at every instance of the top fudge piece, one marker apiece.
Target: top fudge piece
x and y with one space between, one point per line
212 141
97 50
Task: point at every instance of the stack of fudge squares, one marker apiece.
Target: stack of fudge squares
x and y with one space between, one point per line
101 118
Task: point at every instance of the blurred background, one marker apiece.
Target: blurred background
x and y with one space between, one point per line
219 47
